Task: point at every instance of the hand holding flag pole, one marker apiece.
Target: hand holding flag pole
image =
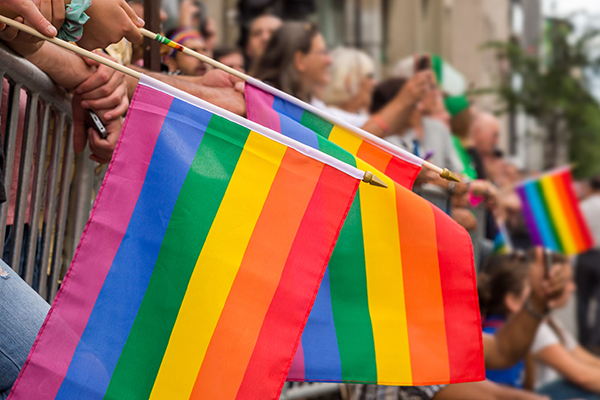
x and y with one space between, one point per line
367 178
443 172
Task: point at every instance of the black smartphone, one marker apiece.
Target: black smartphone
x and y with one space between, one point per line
424 63
94 121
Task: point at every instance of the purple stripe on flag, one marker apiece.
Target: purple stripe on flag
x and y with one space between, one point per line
60 336
260 109
536 238
297 369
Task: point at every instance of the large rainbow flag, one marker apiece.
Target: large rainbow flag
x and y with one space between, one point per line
552 213
200 262
398 303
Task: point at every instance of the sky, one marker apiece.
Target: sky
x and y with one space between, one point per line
565 7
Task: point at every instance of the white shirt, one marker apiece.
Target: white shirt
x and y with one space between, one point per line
590 208
356 119
545 337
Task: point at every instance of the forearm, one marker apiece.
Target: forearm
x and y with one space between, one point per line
394 117
65 68
226 98
513 340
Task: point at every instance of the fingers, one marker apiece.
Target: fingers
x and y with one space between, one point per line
9 34
58 13
95 86
116 104
29 11
133 34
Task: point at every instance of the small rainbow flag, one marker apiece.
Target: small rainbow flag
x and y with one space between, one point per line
552 213
398 304
502 242
200 262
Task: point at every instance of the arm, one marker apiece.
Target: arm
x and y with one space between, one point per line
570 367
586 357
485 390
397 112
513 339
227 97
65 68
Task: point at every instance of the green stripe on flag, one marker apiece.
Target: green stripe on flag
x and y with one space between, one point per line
184 238
316 124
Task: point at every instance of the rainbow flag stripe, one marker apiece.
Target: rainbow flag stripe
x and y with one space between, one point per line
400 165
397 304
198 267
552 213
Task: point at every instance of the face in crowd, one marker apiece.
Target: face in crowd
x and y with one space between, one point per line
313 66
485 133
261 30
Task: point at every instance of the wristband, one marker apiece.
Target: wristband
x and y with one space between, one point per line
534 313
75 18
381 123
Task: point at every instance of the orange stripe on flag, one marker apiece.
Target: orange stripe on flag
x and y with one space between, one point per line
422 287
259 273
374 156
569 212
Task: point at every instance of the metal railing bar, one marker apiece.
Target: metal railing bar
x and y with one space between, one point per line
10 139
23 179
49 214
38 190
61 218
25 73
310 391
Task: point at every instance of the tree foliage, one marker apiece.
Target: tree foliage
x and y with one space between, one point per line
553 88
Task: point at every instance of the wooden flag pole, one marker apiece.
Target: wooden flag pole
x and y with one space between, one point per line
368 177
443 172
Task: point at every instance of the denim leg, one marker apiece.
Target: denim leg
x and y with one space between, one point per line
22 312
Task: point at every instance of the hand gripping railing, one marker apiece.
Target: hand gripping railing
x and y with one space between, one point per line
38 171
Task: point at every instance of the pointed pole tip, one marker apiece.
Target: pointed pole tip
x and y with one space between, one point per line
449 175
373 180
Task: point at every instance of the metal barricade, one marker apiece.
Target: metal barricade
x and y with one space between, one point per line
39 166
297 391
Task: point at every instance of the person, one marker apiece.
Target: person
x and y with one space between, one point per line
297 62
348 95
503 288
231 57
29 11
511 342
259 35
183 63
587 272
564 369
485 134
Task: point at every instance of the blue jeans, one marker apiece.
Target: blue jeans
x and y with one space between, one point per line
563 390
22 312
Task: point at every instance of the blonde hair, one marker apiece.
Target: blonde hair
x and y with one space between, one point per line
349 68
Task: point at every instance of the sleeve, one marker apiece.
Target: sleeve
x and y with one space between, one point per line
544 337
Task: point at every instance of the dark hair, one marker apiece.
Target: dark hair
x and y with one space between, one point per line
225 51
595 182
276 66
501 274
384 92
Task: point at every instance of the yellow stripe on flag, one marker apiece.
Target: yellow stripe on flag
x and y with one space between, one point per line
345 140
208 288
557 215
384 280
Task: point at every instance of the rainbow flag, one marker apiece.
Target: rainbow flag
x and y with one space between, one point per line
552 213
502 242
200 262
400 165
398 303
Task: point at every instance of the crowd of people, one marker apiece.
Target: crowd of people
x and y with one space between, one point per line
528 353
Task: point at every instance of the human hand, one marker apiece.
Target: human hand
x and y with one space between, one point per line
34 16
110 21
465 218
102 149
416 88
425 176
106 89
547 288
221 79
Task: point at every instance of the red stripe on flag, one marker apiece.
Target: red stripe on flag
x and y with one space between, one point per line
461 306
403 172
312 247
583 226
258 278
